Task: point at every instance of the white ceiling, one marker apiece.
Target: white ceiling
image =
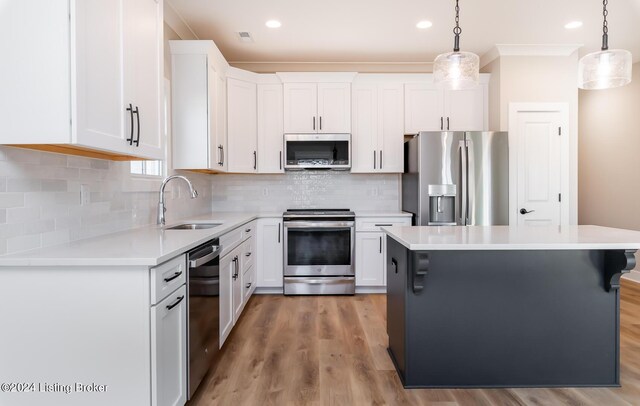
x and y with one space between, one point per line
385 30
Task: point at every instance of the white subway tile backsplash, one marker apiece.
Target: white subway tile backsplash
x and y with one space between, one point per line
40 199
23 243
8 200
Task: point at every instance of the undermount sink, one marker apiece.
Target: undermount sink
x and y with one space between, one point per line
194 226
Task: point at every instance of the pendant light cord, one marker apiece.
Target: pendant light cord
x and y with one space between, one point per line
605 26
457 30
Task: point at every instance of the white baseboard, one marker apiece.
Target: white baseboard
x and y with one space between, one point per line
267 291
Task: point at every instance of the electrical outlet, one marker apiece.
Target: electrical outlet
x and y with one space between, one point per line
85 195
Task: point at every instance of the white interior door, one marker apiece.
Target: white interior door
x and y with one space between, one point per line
539 168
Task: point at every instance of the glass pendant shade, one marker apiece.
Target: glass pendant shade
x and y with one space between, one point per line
605 69
457 70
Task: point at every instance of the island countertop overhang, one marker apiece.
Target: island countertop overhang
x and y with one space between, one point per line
587 237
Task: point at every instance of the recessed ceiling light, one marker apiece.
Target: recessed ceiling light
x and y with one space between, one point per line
573 24
424 24
273 24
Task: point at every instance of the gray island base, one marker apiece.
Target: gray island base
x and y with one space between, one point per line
471 317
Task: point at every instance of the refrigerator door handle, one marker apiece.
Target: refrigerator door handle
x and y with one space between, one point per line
471 184
462 155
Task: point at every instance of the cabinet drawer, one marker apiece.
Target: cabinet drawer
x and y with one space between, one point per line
249 230
249 280
375 223
231 240
167 277
248 254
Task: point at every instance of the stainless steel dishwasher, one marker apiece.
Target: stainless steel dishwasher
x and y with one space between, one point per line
204 311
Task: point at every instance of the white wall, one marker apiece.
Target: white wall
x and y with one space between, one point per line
609 156
538 79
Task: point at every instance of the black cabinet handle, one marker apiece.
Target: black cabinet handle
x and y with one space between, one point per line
248 254
374 159
441 123
321 122
174 304
247 230
447 123
175 275
222 164
137 113
220 152
130 110
280 160
279 233
248 285
380 159
255 160
381 244
314 123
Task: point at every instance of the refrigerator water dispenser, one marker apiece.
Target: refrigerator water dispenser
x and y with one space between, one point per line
442 205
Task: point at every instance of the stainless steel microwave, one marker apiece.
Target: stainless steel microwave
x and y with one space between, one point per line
317 151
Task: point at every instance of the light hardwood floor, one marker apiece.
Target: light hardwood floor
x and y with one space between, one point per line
331 350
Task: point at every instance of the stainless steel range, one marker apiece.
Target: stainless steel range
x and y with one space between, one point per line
319 250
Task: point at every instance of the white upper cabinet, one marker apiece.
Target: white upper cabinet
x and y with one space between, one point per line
378 124
300 108
334 108
102 86
198 106
242 138
424 108
317 102
465 109
430 108
270 128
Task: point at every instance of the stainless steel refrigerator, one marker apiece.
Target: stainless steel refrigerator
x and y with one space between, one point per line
457 178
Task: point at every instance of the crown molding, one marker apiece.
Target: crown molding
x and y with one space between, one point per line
500 50
174 20
361 67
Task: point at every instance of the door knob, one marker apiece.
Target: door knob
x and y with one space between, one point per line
525 211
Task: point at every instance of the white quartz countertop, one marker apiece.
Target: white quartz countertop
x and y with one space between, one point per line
514 238
144 246
360 213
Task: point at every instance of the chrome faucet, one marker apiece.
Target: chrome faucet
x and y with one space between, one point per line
161 208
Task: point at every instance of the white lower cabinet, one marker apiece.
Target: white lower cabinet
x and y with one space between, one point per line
270 253
169 350
370 249
236 267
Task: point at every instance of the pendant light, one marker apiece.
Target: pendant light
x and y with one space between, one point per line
607 68
457 70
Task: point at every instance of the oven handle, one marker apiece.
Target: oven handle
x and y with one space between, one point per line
194 263
314 224
321 281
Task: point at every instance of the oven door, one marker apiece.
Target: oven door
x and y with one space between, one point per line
319 248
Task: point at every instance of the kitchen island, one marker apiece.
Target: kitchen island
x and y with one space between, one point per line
506 306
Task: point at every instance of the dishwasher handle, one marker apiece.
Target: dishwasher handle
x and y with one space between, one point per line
201 260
